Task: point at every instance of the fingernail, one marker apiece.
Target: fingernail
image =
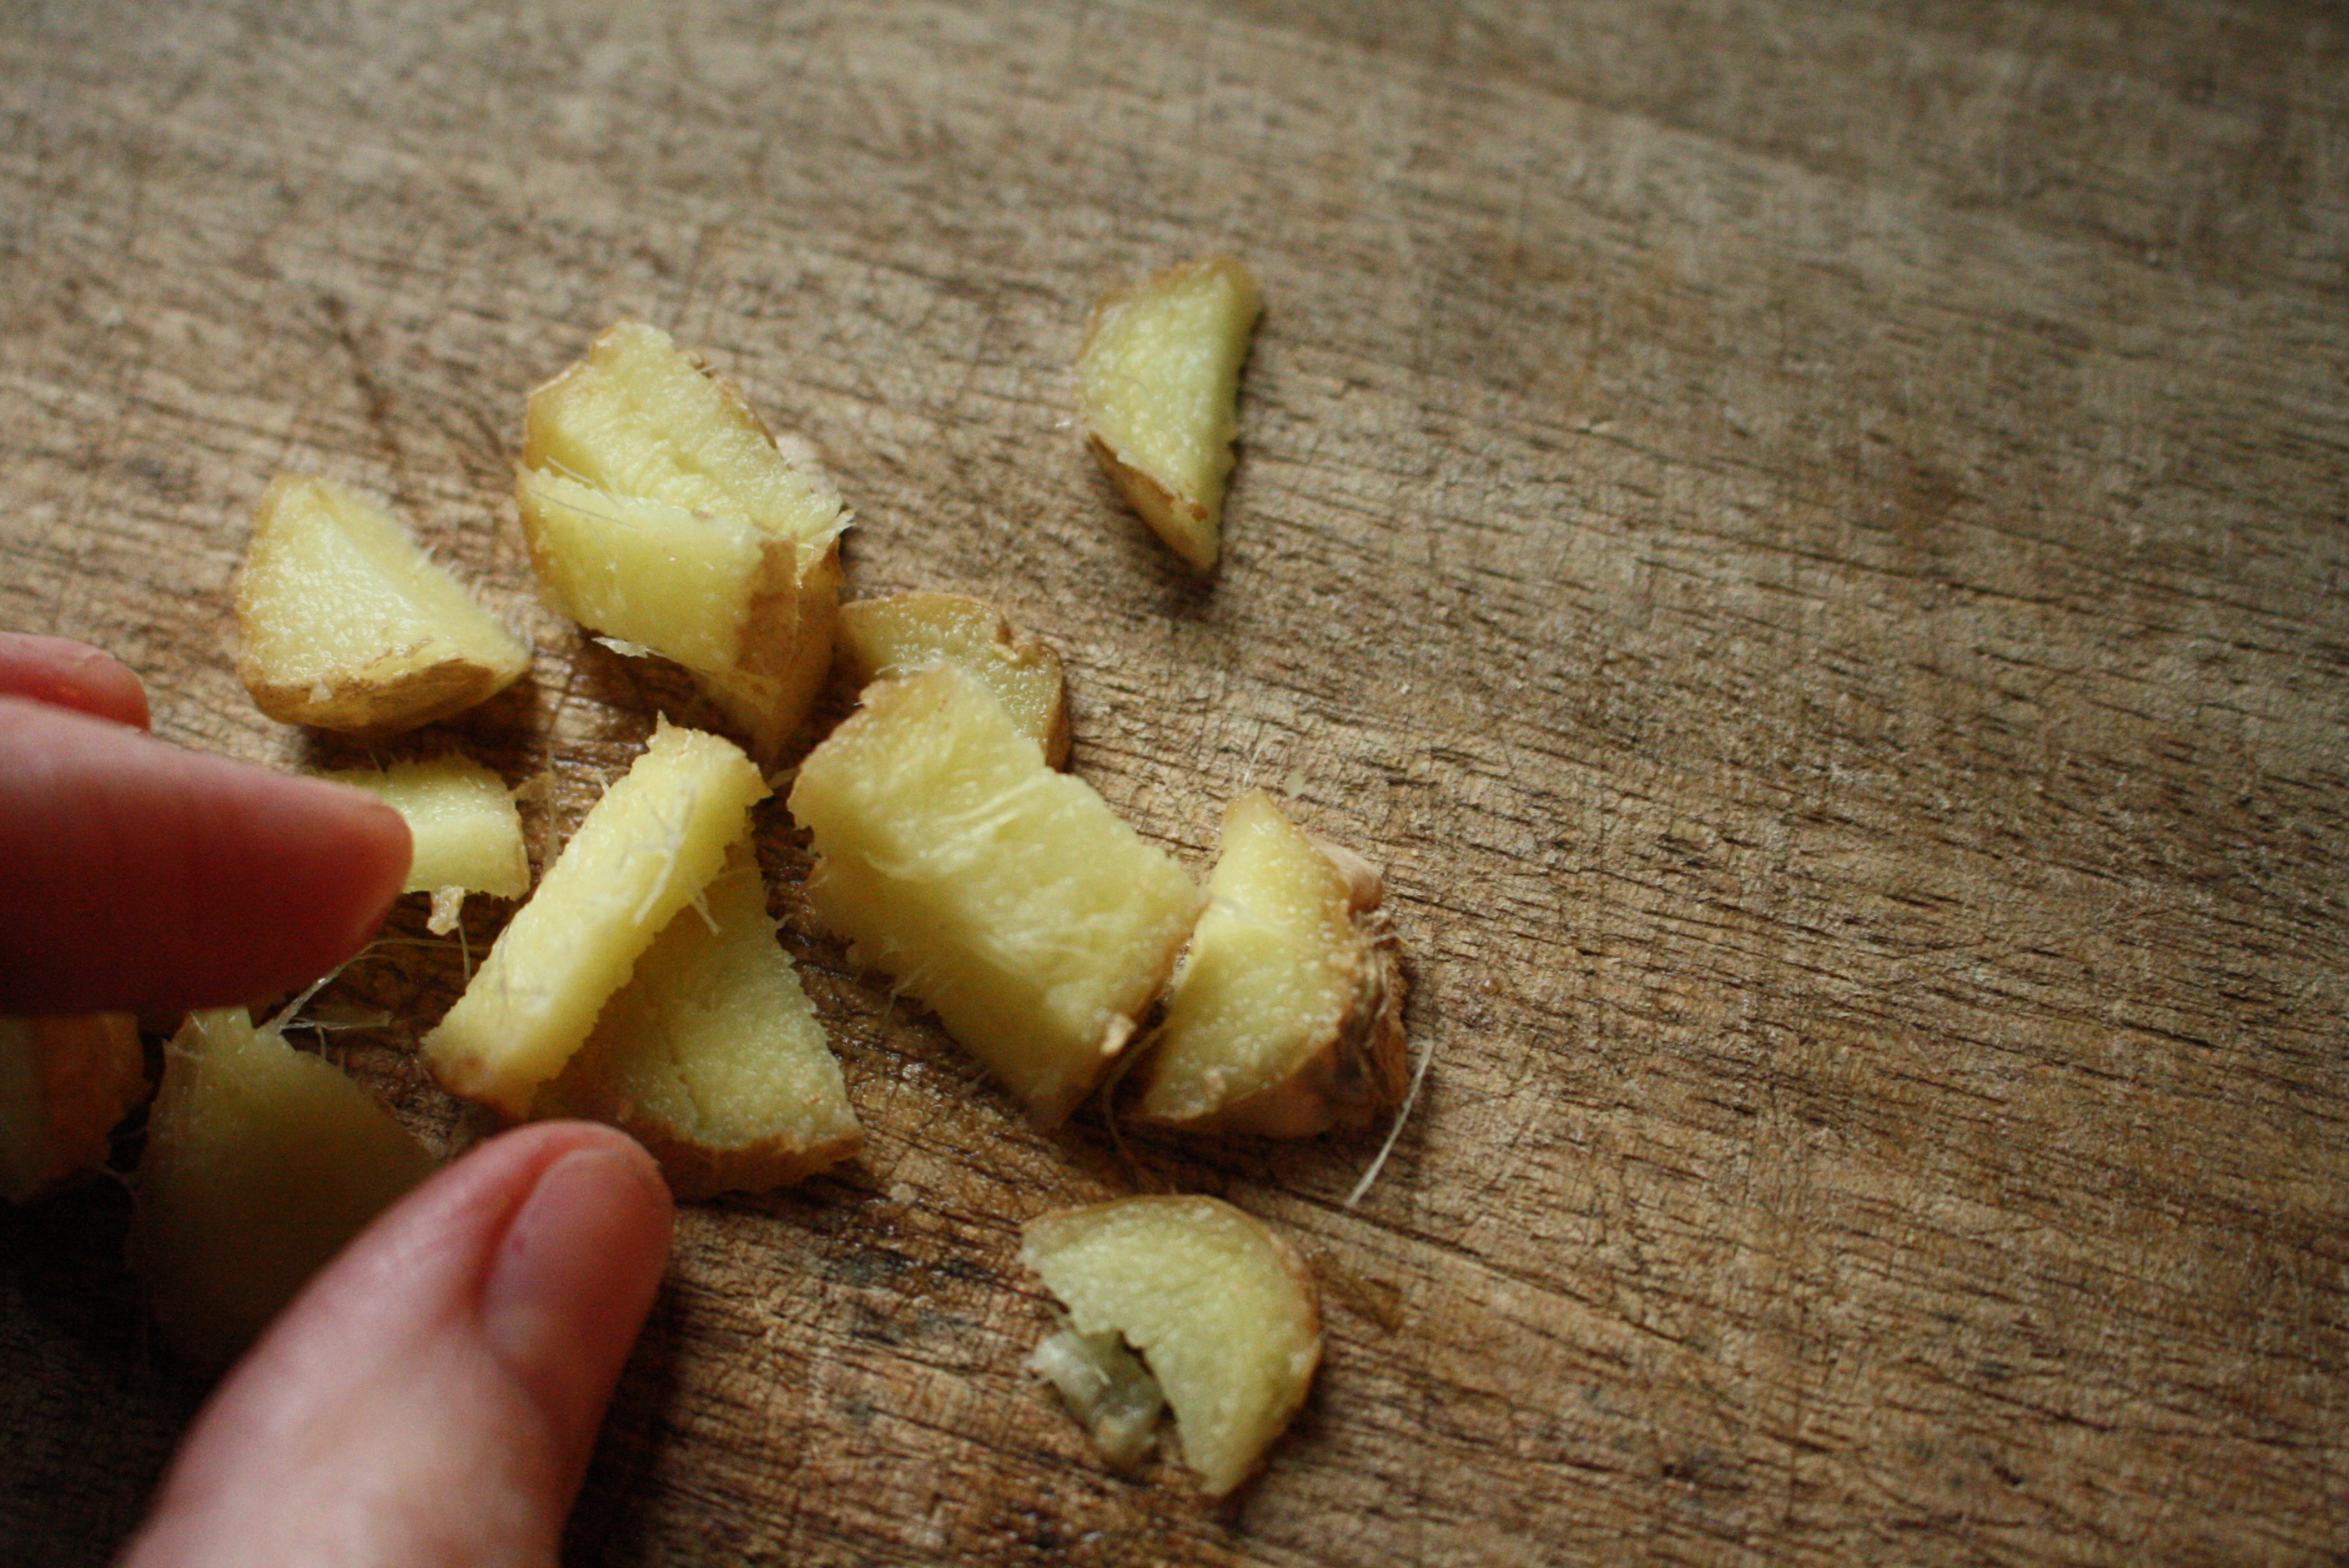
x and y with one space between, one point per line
98 683
574 1277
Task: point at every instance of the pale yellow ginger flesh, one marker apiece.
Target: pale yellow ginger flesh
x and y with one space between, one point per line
345 623
711 1054
1286 1015
883 638
1220 1308
462 823
65 1082
646 850
1006 897
1158 389
1106 1387
660 511
262 1161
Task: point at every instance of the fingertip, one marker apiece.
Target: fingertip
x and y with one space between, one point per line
434 1395
572 1278
136 874
63 673
374 848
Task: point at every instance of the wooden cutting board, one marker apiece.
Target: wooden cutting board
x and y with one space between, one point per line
1807 538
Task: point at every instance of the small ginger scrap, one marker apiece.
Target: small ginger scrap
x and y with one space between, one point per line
467 835
1105 1386
65 1082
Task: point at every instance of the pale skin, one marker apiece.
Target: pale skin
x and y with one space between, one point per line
433 1397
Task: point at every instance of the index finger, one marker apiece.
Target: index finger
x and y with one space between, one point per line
137 875
63 673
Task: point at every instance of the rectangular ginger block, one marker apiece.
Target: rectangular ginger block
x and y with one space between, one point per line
1006 897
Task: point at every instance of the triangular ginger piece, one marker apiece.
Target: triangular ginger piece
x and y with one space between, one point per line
262 1162
711 1056
345 623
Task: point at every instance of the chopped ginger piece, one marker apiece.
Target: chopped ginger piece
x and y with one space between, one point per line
880 638
645 852
711 1056
262 1161
462 823
1222 1311
1007 898
661 513
1285 1017
345 623
1158 386
64 1084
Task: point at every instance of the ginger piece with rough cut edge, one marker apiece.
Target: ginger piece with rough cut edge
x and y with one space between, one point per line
1220 1309
661 512
711 1056
1106 1387
1007 898
1158 388
65 1082
345 623
896 635
1286 1014
462 823
262 1162
646 850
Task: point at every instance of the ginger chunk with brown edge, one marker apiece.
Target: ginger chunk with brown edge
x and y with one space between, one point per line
461 820
660 511
64 1083
343 622
1220 1309
1286 1015
646 850
711 1056
262 1161
1158 388
880 638
1006 897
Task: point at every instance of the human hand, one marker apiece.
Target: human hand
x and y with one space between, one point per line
434 1396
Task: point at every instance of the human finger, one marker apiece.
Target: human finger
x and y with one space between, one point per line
433 1397
63 673
138 875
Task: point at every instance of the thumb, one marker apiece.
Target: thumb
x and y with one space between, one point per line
432 1398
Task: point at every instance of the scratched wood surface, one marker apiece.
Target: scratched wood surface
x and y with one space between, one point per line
1808 537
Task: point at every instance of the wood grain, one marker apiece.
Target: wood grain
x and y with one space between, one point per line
1806 538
